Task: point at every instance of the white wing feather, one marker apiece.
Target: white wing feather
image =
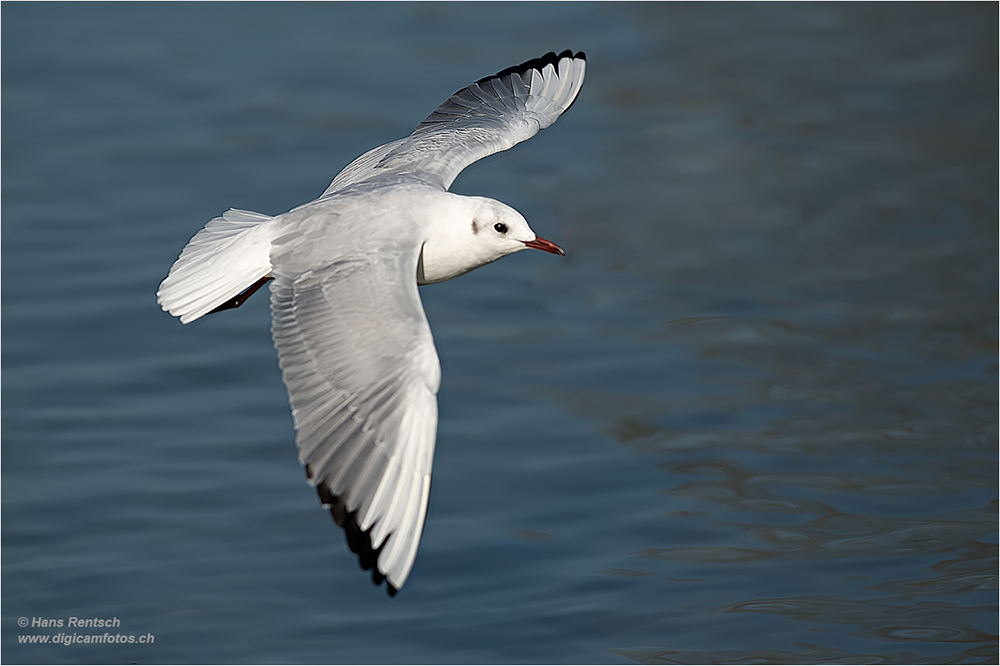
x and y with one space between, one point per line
366 420
491 115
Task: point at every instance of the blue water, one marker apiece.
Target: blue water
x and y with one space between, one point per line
751 418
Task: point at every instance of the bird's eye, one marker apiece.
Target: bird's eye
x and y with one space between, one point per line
500 227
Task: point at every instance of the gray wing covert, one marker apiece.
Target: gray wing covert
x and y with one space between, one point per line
489 116
357 356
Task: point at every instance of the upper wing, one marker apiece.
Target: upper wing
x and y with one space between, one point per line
358 359
491 115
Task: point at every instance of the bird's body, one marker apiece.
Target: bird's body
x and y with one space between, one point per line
354 345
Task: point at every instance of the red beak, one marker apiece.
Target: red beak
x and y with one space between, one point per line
541 244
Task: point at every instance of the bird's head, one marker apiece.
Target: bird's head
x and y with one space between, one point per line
479 232
499 230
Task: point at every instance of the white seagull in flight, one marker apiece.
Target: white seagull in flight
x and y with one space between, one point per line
354 346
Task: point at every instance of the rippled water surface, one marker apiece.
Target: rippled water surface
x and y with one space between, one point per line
751 418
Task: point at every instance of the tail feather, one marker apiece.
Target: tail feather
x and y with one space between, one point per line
225 258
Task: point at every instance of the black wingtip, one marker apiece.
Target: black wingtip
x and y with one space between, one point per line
358 540
550 58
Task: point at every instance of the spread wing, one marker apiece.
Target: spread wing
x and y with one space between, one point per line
491 115
357 356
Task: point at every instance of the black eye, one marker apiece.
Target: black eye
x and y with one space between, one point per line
500 227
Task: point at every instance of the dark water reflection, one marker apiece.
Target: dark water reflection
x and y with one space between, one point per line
752 418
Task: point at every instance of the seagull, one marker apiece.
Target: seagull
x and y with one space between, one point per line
354 346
